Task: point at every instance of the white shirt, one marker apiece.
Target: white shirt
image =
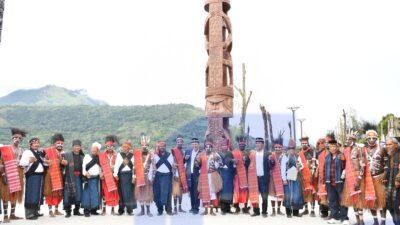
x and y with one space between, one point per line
94 171
284 161
260 163
118 162
24 162
163 168
192 159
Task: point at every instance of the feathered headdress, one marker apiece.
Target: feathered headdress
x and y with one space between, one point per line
57 137
15 131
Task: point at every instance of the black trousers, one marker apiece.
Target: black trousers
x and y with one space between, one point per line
395 213
338 212
194 194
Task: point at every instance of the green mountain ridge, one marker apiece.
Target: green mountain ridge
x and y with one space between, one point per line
49 95
93 123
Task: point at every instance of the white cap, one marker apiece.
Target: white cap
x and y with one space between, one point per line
97 145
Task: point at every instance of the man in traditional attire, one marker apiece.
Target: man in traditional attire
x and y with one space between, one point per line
322 194
378 162
33 162
163 161
91 171
290 168
73 179
109 186
358 190
210 182
393 180
143 177
227 171
12 177
241 191
258 177
123 172
275 181
332 175
308 158
53 180
192 175
179 183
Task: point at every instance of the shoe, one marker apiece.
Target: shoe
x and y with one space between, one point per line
273 212
212 213
383 222
159 214
6 219
305 212
256 212
67 214
345 222
312 214
94 212
205 212
39 214
58 213
51 214
333 221
32 218
280 213
14 217
77 213
264 214
181 210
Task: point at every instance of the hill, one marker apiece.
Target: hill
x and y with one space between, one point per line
49 95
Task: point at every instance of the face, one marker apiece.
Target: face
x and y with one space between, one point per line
59 145
333 148
259 145
195 145
76 149
94 151
278 149
349 141
162 148
35 145
224 147
109 147
372 141
304 144
17 138
391 147
242 145
125 148
320 146
208 148
179 143
292 151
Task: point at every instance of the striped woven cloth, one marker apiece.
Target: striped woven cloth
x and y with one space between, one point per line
54 169
11 168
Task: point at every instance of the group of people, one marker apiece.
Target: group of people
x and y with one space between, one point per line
221 178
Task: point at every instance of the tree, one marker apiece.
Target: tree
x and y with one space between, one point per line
245 100
1 16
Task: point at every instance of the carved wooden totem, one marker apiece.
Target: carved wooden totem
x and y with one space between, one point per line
219 73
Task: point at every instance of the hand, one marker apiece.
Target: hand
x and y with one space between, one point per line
133 179
285 182
116 178
187 157
126 161
384 181
64 162
87 174
397 184
32 159
270 157
47 161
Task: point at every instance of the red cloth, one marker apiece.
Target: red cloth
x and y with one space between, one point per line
252 179
11 169
370 195
306 174
351 176
109 184
177 153
54 168
240 168
139 169
53 200
276 176
240 195
322 193
203 186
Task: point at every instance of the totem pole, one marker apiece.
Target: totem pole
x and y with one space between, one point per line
219 73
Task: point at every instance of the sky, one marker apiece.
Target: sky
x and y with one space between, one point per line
323 56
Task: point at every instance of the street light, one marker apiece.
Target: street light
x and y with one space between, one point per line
301 126
293 109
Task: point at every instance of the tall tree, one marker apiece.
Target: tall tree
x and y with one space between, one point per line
245 100
1 16
266 131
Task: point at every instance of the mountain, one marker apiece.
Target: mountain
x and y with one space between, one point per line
49 95
93 123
